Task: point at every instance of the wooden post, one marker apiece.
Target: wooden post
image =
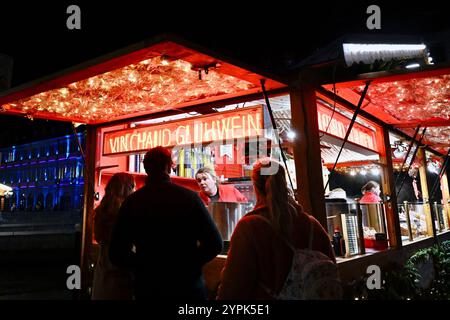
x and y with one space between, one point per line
308 163
89 178
445 198
424 190
388 186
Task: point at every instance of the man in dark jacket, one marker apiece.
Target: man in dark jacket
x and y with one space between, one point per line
172 232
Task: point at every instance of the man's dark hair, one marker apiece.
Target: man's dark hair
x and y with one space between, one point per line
157 160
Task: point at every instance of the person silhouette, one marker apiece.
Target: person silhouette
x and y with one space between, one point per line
111 282
172 232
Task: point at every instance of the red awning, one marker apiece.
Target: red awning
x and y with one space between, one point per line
406 101
142 79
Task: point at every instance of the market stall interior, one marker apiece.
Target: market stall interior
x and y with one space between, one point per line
355 226
413 174
228 140
415 108
162 92
220 114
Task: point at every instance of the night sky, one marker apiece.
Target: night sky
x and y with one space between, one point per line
272 36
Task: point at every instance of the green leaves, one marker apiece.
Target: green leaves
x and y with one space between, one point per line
414 280
439 256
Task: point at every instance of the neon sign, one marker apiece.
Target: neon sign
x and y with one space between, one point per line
243 123
339 124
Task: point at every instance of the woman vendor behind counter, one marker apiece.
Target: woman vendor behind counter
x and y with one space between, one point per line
371 193
212 191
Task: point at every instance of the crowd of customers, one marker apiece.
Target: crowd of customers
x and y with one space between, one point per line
145 235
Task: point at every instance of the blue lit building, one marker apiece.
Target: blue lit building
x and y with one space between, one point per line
45 175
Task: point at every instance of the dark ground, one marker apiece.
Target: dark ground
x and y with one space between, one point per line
35 251
35 275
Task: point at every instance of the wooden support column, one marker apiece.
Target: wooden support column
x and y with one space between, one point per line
445 197
308 164
388 186
424 189
88 209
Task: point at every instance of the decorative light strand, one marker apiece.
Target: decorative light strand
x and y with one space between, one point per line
149 86
413 99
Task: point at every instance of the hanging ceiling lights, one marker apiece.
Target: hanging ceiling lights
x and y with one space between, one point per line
151 85
414 99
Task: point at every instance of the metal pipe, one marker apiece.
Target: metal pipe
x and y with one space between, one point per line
347 134
441 173
412 159
272 119
407 154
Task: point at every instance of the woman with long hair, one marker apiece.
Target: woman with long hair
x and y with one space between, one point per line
260 258
110 282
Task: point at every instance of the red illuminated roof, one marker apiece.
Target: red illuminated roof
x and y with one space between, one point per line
407 101
139 80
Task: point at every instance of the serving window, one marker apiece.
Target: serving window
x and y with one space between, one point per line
354 196
416 176
227 140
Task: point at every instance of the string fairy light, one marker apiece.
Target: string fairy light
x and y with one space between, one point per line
421 97
151 85
415 99
364 170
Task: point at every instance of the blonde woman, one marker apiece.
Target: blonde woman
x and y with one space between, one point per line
258 254
212 191
111 282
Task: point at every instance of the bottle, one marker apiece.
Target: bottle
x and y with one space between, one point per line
338 243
